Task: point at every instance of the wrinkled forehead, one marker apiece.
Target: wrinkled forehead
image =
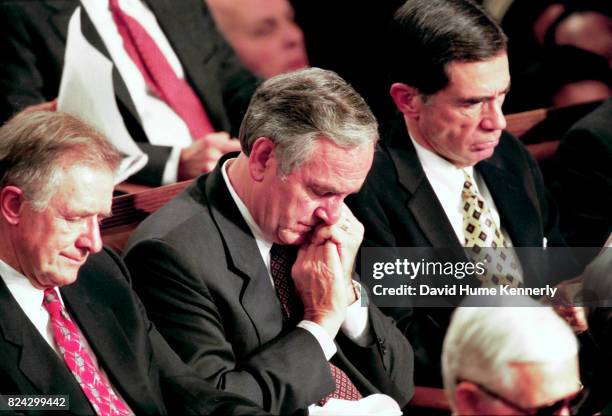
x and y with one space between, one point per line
86 186
491 76
343 169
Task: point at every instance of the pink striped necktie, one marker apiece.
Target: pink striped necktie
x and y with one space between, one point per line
281 261
159 75
67 338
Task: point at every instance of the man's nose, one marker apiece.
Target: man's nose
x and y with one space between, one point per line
494 118
331 211
90 238
293 35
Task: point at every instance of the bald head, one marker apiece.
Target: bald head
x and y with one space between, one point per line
263 34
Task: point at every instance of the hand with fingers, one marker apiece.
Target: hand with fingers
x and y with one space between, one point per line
203 154
319 282
346 234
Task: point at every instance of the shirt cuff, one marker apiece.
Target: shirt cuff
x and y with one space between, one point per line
171 169
356 325
322 337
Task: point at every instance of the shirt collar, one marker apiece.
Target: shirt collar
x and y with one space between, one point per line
263 244
434 164
26 295
433 161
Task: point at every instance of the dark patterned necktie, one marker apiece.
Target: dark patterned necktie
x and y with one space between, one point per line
96 388
159 75
281 261
485 241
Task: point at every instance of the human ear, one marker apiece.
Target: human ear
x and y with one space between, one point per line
11 204
260 158
407 99
468 399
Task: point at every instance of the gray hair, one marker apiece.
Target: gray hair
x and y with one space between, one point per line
298 108
482 342
32 144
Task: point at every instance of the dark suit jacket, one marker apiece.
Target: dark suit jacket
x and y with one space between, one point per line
583 185
32 54
139 363
201 277
399 208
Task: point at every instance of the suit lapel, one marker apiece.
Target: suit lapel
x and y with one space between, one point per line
93 37
244 258
517 214
110 345
513 203
421 199
60 16
38 363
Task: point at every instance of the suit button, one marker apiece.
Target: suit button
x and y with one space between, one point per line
382 343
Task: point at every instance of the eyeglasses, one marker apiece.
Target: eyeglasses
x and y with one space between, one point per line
571 402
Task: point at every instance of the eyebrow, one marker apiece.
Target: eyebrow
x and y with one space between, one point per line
78 213
320 188
479 99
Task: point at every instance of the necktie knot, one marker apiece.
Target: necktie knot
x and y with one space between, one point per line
51 302
158 74
468 190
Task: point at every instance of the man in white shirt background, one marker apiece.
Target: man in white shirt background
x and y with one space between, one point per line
184 32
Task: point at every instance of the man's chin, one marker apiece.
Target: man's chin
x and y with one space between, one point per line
288 237
49 279
480 155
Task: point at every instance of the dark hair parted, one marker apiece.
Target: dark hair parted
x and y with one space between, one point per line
427 35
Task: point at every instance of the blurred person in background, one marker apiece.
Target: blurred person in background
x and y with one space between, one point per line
263 33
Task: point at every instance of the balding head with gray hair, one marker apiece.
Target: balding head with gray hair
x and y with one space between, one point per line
296 109
32 144
484 345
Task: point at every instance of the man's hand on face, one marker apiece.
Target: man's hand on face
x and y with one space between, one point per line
202 155
346 234
319 281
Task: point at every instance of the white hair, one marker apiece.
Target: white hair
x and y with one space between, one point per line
482 343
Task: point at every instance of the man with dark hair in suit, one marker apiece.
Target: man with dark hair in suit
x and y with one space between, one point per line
249 272
448 176
184 124
69 322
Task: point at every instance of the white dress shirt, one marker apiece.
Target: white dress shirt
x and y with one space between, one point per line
160 123
447 182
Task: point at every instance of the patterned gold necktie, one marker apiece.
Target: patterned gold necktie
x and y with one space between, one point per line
485 240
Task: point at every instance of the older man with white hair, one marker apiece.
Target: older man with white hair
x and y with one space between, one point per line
511 360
